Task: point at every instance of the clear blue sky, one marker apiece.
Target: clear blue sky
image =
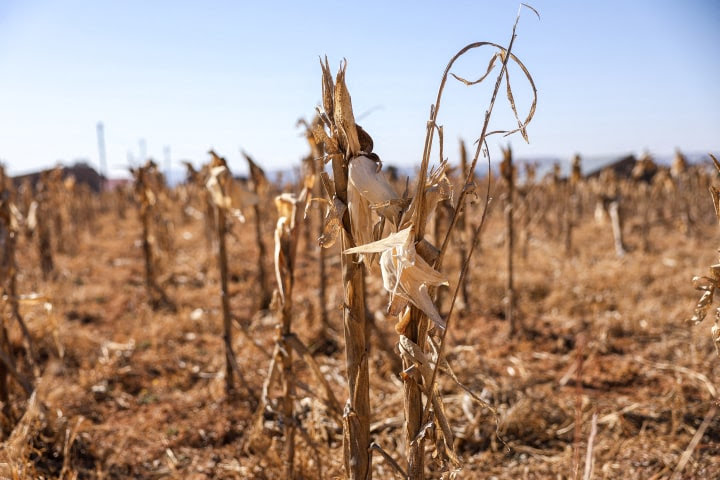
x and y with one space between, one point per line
613 76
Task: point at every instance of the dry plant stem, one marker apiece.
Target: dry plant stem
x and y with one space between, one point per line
687 454
262 275
578 405
10 367
589 463
391 461
616 221
417 327
412 401
302 350
467 188
461 280
147 251
510 239
322 292
10 267
43 232
288 394
569 211
258 179
4 347
356 418
286 247
462 223
221 223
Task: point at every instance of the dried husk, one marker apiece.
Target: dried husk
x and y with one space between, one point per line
405 274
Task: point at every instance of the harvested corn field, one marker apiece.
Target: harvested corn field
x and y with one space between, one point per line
472 315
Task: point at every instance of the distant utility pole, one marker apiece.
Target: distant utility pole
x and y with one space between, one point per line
168 163
143 150
101 151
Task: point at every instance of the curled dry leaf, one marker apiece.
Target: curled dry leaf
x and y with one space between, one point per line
332 222
371 184
228 194
405 274
286 205
368 187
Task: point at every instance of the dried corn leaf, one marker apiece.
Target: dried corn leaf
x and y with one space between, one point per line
371 184
703 306
405 274
228 194
31 222
343 115
286 205
332 222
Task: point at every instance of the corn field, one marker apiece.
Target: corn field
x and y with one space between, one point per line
465 321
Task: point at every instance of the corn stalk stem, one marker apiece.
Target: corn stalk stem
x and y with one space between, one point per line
221 223
412 401
288 390
417 327
356 417
266 296
510 233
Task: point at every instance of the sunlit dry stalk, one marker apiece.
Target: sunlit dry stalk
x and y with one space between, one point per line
259 186
289 209
341 140
314 167
526 194
409 268
572 207
42 217
8 288
414 421
68 204
709 285
462 224
609 202
56 214
642 175
508 173
286 240
579 361
146 199
228 198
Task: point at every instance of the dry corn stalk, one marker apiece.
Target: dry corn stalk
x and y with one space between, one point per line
572 207
9 230
145 193
259 185
286 239
508 173
314 167
410 264
341 140
709 285
40 218
286 243
227 197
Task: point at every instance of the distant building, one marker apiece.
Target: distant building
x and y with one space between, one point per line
622 168
82 172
